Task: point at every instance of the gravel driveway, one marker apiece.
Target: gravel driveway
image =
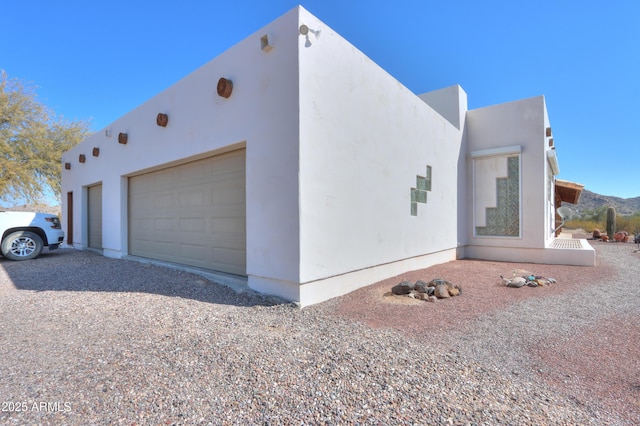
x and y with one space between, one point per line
89 340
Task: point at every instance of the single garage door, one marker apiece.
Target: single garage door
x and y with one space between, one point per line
192 214
94 213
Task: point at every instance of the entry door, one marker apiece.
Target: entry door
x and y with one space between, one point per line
70 218
94 214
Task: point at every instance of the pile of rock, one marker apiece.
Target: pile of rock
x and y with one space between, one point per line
429 291
523 278
619 237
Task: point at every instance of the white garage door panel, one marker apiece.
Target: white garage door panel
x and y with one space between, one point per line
192 214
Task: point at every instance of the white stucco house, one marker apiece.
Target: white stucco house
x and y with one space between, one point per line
296 163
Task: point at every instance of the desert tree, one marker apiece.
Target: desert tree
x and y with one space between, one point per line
32 140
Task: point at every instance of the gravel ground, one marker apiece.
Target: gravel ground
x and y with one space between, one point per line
90 340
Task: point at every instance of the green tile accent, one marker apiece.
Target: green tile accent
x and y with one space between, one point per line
504 219
421 183
419 194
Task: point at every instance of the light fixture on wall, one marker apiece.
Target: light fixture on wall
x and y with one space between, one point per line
305 30
123 138
548 131
82 158
67 166
96 151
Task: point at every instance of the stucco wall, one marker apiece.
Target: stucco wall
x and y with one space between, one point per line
350 177
261 114
364 139
520 124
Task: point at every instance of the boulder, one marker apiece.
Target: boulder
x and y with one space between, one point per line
421 286
517 282
437 282
405 287
455 291
441 291
621 237
421 296
597 234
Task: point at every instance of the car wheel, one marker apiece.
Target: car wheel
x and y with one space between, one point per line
22 245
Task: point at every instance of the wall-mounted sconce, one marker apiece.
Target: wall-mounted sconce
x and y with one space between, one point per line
264 43
225 87
96 151
551 143
162 120
107 132
305 30
82 158
67 166
548 131
123 138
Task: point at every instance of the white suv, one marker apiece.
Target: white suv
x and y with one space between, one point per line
25 234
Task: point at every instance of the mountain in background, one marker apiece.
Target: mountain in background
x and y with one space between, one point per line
592 201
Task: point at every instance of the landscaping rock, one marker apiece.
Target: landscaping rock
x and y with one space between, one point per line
453 291
517 282
441 291
428 291
405 287
421 296
542 282
421 286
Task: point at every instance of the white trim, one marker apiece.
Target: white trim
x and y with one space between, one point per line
504 150
553 162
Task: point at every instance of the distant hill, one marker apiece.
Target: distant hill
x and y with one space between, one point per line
592 201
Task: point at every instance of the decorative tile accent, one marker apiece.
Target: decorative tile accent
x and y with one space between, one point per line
419 193
421 183
504 219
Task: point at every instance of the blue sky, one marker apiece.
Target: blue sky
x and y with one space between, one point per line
98 60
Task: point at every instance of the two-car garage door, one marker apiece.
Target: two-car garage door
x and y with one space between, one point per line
193 213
